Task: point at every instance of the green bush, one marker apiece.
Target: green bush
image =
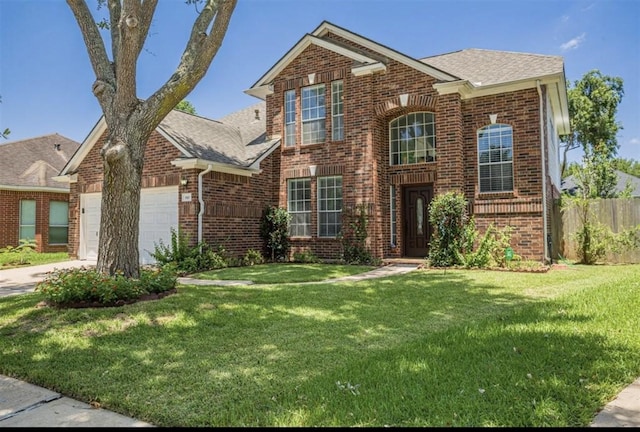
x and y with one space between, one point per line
187 258
354 237
274 231
450 240
305 256
22 252
68 287
491 248
252 257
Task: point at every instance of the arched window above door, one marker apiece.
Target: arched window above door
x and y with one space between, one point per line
412 139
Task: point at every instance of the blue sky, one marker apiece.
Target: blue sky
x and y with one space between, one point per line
46 77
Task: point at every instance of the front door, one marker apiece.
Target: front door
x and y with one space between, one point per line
417 230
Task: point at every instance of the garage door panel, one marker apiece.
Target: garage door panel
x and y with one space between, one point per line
158 215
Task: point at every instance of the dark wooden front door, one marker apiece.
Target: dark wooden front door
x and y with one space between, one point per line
417 230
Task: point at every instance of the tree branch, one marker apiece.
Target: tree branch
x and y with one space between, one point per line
196 58
96 50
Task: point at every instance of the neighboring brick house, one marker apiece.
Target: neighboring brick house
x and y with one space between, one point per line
364 124
32 205
346 121
189 160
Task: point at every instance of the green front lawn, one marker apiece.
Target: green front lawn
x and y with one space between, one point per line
284 273
22 259
429 348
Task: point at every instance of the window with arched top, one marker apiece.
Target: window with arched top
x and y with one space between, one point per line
412 139
495 158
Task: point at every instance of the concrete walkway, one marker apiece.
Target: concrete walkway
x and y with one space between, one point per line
26 405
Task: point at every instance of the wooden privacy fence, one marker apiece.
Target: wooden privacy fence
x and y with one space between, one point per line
616 213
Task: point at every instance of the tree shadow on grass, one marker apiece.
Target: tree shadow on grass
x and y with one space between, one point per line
439 351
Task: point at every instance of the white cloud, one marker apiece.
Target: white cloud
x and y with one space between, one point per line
564 18
573 43
634 141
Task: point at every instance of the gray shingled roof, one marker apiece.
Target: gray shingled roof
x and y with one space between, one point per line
570 186
236 139
486 67
31 163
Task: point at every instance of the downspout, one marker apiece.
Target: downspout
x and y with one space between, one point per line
201 201
544 177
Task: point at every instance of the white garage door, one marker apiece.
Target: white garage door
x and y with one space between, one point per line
158 214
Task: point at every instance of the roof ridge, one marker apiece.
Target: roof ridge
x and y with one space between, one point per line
492 50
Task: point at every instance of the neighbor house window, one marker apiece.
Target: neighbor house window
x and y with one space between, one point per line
58 222
329 206
290 118
299 206
337 116
495 158
313 114
27 220
412 139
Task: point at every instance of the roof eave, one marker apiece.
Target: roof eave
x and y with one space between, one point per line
33 188
196 163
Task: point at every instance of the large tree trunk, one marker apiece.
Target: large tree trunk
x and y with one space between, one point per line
123 158
131 121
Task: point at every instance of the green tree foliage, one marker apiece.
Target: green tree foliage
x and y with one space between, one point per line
593 104
629 166
186 106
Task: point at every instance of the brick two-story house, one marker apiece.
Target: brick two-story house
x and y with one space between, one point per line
346 121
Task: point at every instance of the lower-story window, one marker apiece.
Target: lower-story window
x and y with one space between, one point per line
299 207
329 206
27 220
58 222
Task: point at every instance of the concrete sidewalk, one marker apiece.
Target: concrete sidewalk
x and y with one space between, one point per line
26 405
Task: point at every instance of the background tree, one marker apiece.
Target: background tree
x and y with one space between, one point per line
130 120
629 166
593 104
186 106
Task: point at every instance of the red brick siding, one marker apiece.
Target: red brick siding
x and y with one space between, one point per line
370 102
233 203
10 218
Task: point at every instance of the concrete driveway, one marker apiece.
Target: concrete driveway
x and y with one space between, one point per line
24 279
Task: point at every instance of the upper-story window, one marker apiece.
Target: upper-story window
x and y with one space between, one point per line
290 118
412 139
313 114
337 115
495 158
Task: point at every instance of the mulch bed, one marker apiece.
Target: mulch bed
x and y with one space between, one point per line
86 304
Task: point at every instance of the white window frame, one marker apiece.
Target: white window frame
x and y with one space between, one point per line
313 114
337 111
62 223
412 138
499 144
31 225
299 209
329 203
290 118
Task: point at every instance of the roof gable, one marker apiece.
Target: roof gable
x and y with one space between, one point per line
363 63
31 164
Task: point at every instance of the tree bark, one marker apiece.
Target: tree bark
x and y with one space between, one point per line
130 121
